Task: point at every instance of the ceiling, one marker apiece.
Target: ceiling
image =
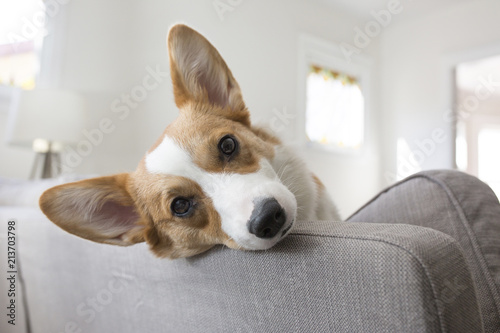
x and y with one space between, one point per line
411 8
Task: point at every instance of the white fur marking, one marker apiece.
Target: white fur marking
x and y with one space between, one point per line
232 194
169 158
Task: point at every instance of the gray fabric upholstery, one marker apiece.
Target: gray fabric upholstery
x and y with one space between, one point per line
325 277
456 204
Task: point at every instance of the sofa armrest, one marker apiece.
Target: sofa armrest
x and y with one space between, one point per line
416 275
325 276
460 206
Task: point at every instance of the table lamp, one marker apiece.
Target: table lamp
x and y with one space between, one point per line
46 120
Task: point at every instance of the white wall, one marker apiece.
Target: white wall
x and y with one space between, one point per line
414 94
109 45
14 162
94 50
259 40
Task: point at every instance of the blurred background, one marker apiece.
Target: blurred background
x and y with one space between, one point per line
367 91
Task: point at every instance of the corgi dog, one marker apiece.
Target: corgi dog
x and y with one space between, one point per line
211 178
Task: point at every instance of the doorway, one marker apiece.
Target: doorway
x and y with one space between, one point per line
477 110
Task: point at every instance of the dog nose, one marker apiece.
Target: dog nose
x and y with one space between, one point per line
267 219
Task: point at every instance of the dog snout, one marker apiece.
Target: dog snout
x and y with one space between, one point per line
268 217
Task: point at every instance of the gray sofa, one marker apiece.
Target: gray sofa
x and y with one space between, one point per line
422 256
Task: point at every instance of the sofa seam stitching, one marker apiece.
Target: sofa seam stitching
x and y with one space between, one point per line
478 253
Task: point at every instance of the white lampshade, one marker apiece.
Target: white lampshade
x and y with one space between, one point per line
48 114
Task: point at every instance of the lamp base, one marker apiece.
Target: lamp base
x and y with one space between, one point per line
48 162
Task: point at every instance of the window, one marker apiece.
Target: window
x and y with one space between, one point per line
334 109
22 26
18 65
332 97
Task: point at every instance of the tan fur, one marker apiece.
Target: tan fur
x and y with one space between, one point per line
199 134
125 209
61 202
218 77
318 183
166 234
203 121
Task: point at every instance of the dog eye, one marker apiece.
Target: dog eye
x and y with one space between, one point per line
228 145
181 206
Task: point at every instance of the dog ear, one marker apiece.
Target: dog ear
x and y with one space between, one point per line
199 74
98 209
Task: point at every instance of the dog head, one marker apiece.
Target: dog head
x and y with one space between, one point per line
209 179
